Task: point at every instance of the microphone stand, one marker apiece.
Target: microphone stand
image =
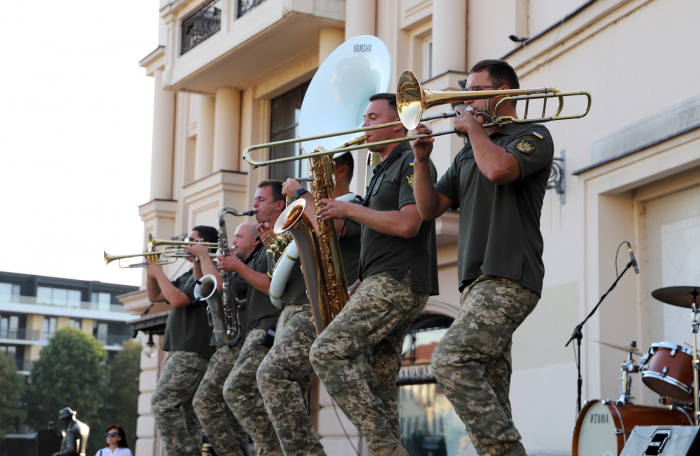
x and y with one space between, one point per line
578 335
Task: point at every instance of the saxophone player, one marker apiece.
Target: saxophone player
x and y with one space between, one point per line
398 271
187 341
223 430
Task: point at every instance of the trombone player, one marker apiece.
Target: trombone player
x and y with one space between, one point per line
398 271
498 183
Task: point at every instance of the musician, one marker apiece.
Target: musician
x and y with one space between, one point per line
187 338
398 271
498 183
223 430
284 377
241 388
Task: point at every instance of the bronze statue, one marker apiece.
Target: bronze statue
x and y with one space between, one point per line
75 436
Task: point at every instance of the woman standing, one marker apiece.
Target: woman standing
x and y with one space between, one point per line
116 442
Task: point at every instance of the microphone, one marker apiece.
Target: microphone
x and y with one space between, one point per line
634 260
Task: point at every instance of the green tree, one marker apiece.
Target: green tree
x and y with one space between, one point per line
70 372
11 387
122 402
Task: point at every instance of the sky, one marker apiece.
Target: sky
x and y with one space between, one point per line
76 115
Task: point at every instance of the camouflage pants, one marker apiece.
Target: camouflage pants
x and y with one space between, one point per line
243 398
472 362
171 403
372 326
284 378
223 430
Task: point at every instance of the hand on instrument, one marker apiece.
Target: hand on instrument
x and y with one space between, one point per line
229 263
352 288
467 121
153 270
290 187
200 251
424 146
329 209
266 233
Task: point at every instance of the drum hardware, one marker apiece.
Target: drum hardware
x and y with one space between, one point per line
686 297
667 370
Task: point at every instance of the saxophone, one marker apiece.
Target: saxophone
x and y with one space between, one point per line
318 248
223 310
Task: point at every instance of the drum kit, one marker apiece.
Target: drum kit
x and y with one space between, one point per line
671 370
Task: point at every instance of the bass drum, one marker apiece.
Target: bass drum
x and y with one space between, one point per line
602 428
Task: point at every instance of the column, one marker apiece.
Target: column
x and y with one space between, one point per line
203 162
227 122
449 36
328 40
162 146
360 18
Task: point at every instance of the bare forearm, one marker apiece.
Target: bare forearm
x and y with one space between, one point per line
427 198
393 223
153 290
259 280
172 294
493 161
208 268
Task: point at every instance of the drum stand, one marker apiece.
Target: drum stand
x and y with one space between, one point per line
628 367
696 362
578 335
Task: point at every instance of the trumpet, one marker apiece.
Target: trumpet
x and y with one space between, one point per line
159 258
412 100
153 242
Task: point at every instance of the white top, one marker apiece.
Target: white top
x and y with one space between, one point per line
118 452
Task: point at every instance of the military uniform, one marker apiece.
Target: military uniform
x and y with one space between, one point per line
501 272
241 388
187 338
223 430
284 377
397 277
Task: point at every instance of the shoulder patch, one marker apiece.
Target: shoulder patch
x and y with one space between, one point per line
409 180
525 147
538 134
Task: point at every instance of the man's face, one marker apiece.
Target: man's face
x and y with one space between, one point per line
378 112
244 240
266 208
481 78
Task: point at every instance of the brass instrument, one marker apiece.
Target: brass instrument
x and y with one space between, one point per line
412 100
157 257
223 310
153 243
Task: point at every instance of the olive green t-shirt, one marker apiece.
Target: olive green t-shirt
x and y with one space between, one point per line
241 289
260 312
499 225
295 289
350 247
187 328
391 189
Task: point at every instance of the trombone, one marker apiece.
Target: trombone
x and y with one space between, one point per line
412 100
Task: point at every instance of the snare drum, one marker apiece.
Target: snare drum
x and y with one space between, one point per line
602 428
668 370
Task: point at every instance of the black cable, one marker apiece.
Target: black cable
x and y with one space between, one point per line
616 253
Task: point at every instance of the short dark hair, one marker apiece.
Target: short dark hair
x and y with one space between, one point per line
500 72
347 160
389 97
122 435
275 186
208 233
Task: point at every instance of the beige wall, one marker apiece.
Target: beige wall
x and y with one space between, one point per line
625 52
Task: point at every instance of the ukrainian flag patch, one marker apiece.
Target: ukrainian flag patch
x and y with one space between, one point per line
410 163
538 134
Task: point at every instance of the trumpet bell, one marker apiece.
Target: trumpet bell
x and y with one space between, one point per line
338 94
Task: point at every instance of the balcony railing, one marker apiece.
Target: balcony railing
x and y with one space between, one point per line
112 339
103 307
200 25
20 334
246 5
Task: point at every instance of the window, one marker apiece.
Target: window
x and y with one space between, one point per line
49 327
9 326
9 350
284 124
75 322
103 300
429 424
428 58
99 330
58 297
8 291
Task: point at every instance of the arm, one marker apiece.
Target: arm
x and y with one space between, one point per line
259 280
403 223
431 204
493 161
205 265
160 288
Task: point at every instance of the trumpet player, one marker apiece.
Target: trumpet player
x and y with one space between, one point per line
498 183
223 430
186 340
398 271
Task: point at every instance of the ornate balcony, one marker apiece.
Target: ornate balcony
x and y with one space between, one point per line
246 5
200 25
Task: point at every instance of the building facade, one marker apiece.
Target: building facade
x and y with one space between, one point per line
229 74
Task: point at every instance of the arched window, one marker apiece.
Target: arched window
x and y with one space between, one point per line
429 424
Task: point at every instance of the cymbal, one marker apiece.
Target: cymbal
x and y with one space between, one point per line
677 296
628 349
